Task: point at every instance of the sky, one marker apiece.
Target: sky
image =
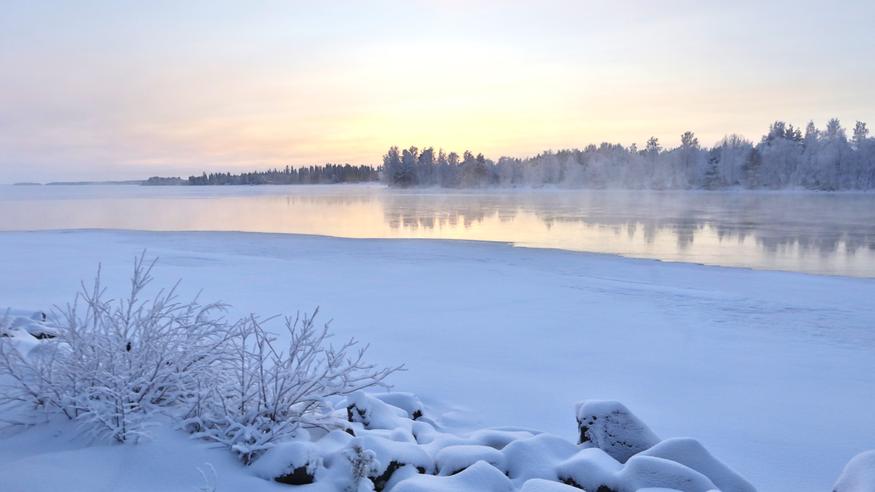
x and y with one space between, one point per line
130 89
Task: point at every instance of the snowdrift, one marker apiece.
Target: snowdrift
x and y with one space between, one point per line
390 442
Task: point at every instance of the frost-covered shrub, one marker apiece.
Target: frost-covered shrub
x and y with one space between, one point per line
268 392
364 464
114 361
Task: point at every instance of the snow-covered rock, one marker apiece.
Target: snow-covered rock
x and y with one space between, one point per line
858 475
408 402
374 413
611 427
403 452
650 472
595 470
692 454
590 469
536 457
541 485
453 459
33 323
480 477
293 463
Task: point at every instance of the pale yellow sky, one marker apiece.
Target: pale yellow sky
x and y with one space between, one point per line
110 90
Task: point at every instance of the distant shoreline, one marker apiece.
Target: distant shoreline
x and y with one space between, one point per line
81 183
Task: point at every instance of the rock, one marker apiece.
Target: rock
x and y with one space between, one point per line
299 476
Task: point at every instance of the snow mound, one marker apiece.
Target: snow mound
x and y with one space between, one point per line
405 401
595 470
453 459
373 412
650 472
858 475
541 485
590 469
611 427
536 457
480 477
498 439
389 451
16 323
692 454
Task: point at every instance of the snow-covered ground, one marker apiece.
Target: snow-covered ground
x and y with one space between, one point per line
774 372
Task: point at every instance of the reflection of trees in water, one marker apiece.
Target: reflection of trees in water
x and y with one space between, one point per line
414 211
777 222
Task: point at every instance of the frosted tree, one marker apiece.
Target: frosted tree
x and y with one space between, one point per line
860 135
784 157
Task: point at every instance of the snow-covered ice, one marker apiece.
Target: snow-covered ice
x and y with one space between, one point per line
773 372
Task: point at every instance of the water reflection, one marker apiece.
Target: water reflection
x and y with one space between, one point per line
809 232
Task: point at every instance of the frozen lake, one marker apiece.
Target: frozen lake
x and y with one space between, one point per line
795 231
773 371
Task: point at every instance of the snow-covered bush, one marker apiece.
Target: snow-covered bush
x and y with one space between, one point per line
364 464
113 363
267 392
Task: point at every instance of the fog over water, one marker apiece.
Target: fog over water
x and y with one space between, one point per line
826 233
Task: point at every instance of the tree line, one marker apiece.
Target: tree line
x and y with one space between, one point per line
785 157
321 174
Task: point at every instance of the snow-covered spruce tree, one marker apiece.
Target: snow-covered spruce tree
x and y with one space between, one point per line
269 391
116 361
